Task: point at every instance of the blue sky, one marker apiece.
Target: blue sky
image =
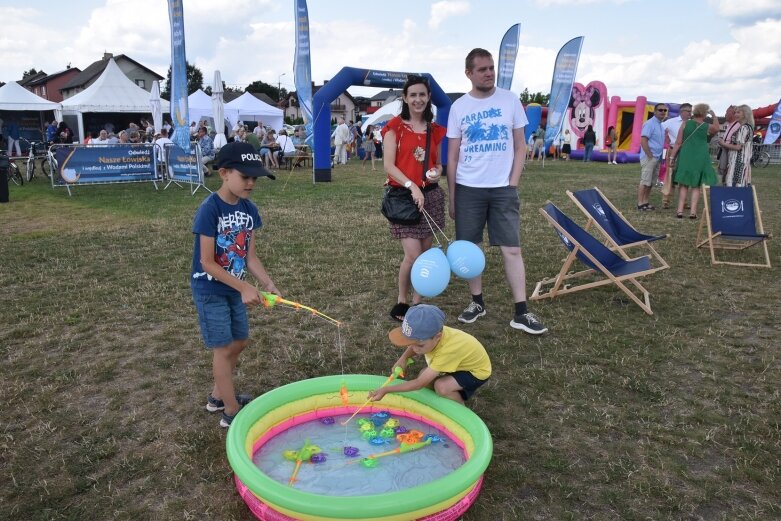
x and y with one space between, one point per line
714 51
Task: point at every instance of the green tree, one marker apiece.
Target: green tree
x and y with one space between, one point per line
537 97
270 90
194 81
32 71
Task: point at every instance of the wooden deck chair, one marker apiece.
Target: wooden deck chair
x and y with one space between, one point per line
600 259
619 234
734 222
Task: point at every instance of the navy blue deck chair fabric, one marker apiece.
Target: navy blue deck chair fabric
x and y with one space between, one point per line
609 219
615 264
733 214
604 265
733 222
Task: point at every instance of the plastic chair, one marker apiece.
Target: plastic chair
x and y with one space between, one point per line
734 222
619 234
603 263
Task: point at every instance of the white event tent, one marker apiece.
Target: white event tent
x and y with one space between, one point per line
15 97
111 92
199 104
251 108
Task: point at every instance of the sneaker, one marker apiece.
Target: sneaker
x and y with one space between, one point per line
529 323
226 419
215 405
472 312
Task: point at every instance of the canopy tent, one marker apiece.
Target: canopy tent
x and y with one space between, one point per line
15 98
200 106
251 108
111 92
385 113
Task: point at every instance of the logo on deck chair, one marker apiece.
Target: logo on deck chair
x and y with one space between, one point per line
599 210
731 206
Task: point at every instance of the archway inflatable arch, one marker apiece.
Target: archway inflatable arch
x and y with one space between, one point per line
347 77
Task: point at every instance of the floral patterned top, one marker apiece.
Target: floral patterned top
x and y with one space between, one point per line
411 149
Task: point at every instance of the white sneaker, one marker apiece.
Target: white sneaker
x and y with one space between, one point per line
615 163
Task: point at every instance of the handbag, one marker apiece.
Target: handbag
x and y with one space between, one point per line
397 204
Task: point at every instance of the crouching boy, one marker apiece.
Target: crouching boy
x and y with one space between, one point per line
457 363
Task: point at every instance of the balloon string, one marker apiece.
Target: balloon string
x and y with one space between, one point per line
430 220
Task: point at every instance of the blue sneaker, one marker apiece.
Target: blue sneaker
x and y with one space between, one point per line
215 405
227 419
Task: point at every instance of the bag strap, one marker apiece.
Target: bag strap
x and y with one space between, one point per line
428 147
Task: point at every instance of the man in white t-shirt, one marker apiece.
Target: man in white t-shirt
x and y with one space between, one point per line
671 128
161 142
486 152
102 139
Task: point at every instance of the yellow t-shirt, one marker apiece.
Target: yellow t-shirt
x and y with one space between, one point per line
459 351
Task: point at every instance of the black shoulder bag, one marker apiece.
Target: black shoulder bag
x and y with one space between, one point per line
397 204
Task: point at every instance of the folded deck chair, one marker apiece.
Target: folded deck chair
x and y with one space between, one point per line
601 261
619 234
733 221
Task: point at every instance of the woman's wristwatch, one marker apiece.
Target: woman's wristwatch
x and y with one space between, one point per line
408 184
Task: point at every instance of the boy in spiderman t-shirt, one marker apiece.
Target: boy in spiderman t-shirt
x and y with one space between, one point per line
223 252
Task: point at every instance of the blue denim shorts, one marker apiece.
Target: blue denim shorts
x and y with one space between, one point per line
223 318
500 208
469 384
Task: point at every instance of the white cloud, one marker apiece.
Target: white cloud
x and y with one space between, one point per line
445 9
750 10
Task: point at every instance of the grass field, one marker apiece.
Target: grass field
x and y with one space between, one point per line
612 415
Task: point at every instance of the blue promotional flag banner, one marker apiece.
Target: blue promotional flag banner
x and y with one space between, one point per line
774 128
179 109
564 71
302 65
106 164
508 52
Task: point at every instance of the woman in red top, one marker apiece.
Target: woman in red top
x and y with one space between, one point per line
404 150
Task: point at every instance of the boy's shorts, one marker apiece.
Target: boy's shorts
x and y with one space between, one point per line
469 384
499 207
223 318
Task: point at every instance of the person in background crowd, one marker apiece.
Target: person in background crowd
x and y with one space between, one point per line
369 146
740 149
267 147
611 142
566 145
652 144
65 133
693 168
589 142
161 142
341 137
723 154
51 131
539 143
671 127
12 136
124 137
102 138
207 149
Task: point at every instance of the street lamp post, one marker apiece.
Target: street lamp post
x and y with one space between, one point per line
279 85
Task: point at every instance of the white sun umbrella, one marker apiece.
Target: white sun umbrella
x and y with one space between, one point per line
219 112
156 106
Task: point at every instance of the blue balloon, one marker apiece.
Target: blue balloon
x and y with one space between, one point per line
430 273
466 259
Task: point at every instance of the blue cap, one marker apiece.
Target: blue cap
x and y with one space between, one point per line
420 323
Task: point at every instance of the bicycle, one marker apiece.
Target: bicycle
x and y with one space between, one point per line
13 171
759 157
36 150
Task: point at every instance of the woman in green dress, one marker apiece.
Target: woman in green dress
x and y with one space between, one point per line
693 168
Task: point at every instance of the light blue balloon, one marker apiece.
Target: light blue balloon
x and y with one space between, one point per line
430 273
466 259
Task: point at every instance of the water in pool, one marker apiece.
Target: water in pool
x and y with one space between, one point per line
419 454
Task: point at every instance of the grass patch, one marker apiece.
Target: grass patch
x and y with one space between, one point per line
612 415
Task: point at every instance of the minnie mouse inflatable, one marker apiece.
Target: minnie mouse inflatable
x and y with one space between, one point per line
582 104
